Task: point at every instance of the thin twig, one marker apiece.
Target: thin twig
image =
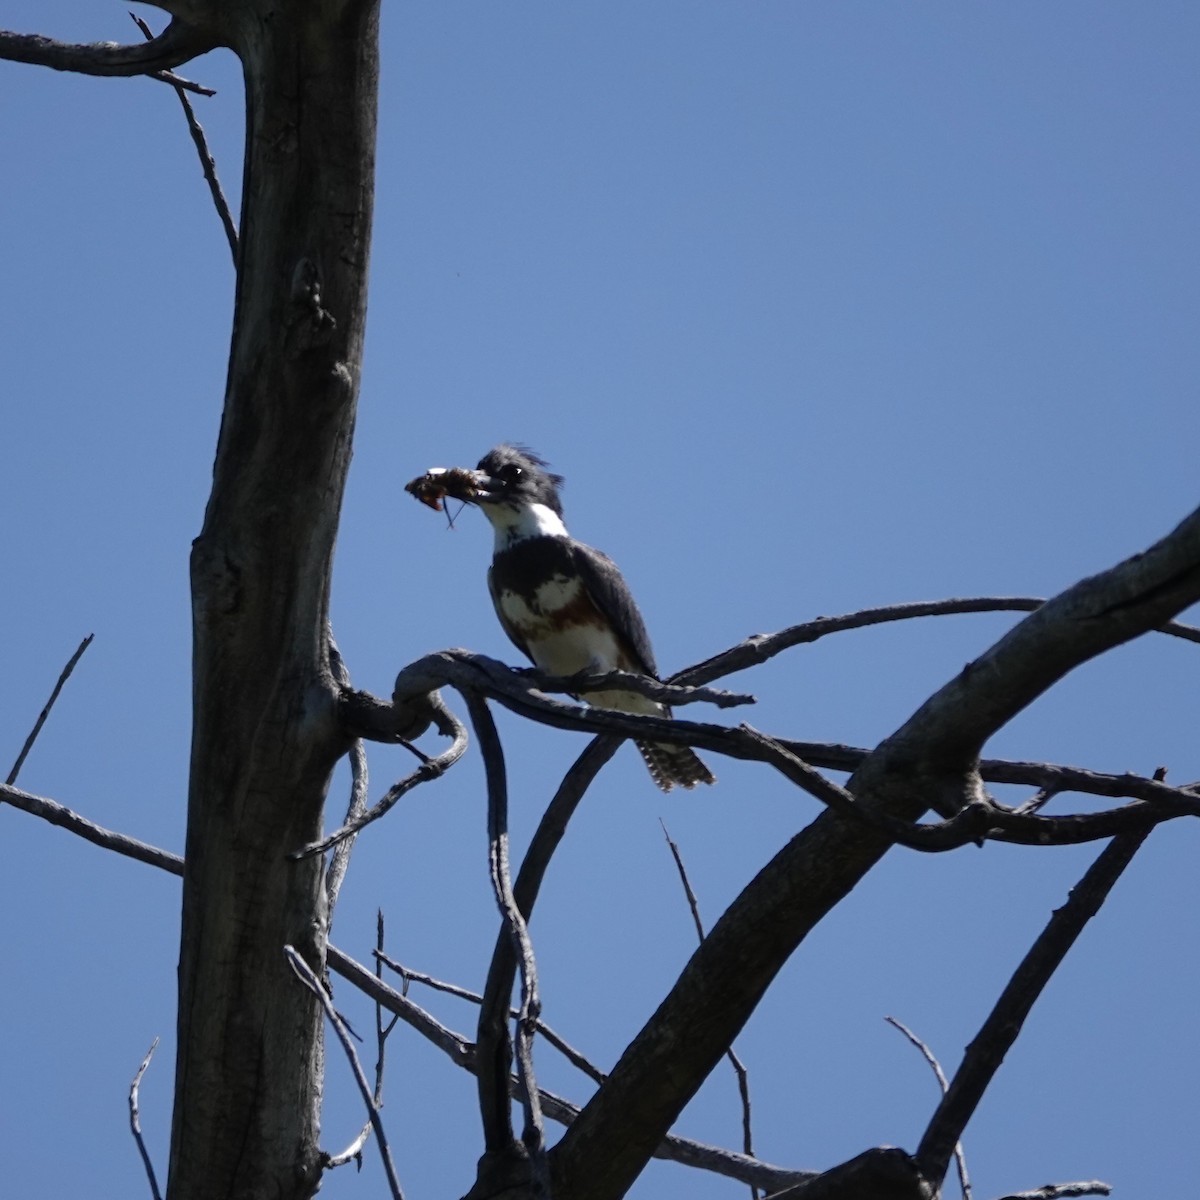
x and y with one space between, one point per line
135 1123
381 1031
207 162
999 1031
960 1157
573 1056
353 1152
739 1068
534 1134
430 769
1036 802
64 675
305 974
693 903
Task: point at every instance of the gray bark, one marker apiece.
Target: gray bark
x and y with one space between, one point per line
265 738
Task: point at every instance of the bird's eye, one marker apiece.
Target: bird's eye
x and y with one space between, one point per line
510 473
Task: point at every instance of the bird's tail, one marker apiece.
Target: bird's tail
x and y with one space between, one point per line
670 765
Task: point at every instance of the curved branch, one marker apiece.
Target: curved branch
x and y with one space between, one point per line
496 1121
952 793
177 44
494 1050
950 789
306 976
764 646
432 768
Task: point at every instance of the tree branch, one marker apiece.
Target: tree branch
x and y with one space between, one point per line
207 163
431 768
960 1157
949 791
981 819
764 646
884 1173
973 817
497 1127
135 1124
559 1043
305 974
65 818
739 1068
353 1152
1140 594
177 44
998 1033
495 1051
64 675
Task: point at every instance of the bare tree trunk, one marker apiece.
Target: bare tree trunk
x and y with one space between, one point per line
265 739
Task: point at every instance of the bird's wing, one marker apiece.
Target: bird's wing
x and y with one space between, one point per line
610 594
513 635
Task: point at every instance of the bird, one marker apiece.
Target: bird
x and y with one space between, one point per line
564 604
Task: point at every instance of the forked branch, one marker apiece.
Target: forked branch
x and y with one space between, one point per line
493 1107
177 44
305 974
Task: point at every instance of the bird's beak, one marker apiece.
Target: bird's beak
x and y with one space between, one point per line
487 487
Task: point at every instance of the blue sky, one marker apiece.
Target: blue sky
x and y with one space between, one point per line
818 306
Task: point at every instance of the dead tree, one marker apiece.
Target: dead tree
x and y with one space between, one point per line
273 714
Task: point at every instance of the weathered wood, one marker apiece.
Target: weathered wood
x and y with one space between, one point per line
266 737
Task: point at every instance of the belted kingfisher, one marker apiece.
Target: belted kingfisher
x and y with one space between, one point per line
564 605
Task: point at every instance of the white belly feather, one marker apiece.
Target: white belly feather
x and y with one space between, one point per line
579 647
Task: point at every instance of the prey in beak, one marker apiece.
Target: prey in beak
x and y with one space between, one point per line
438 483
